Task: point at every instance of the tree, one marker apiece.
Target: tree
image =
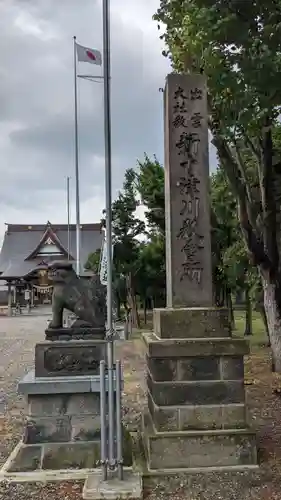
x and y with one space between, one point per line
151 276
126 228
93 261
150 185
241 275
224 224
238 46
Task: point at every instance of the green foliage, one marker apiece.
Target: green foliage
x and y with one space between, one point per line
224 229
151 274
126 227
238 45
93 261
150 184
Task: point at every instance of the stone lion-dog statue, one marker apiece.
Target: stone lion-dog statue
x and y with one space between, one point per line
85 298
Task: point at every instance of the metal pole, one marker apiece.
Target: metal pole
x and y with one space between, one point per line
103 421
68 217
119 421
76 161
107 141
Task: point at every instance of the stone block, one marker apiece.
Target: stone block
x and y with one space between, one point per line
212 417
181 348
83 404
190 451
80 455
200 417
196 393
184 369
162 369
75 333
31 385
203 417
202 449
53 359
28 459
47 429
191 322
234 416
232 368
201 368
47 405
85 428
130 488
164 418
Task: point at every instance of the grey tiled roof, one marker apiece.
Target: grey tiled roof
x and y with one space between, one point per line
20 241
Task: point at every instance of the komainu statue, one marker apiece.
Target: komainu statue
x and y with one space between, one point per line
85 298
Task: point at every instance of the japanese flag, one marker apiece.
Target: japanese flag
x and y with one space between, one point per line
84 54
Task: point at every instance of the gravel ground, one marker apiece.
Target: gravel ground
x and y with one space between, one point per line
17 339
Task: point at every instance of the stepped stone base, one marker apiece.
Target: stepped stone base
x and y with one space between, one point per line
63 456
62 427
198 449
196 415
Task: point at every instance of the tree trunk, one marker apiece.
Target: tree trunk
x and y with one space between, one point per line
144 311
132 301
264 320
273 316
229 305
118 306
249 318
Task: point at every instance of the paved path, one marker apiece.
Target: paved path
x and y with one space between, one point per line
18 336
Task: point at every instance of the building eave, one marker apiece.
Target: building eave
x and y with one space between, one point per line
49 233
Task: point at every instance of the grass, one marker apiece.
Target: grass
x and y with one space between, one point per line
259 337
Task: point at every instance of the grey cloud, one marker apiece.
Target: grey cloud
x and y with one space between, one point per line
136 108
36 97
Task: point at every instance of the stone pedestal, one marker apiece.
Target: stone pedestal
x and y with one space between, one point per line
196 415
75 333
54 359
63 423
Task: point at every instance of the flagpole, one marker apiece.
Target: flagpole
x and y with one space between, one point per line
76 161
107 141
68 217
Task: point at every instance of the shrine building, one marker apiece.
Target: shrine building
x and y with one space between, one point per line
28 249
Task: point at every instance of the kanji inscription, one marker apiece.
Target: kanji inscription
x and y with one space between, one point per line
188 249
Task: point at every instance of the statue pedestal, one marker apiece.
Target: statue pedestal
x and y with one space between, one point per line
63 423
75 357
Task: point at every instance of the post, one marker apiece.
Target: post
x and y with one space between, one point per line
9 299
68 217
76 161
119 420
107 140
103 421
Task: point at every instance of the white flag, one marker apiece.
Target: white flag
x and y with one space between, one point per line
103 263
85 54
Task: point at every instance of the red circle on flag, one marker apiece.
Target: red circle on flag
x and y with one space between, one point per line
91 55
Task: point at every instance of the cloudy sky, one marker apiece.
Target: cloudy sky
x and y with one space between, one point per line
36 103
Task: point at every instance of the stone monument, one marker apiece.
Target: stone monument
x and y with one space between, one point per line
63 425
196 417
